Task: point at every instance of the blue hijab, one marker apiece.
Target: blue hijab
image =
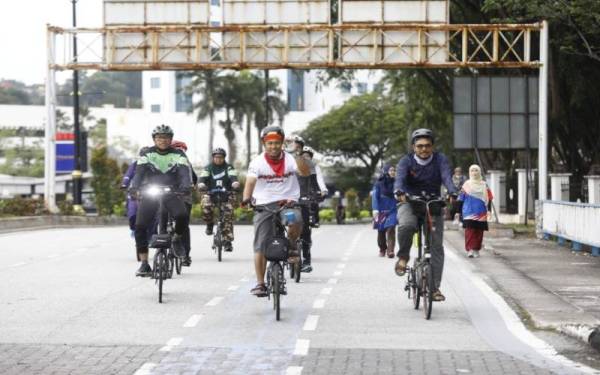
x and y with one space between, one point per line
385 182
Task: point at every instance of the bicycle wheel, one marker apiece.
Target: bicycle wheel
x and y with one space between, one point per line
170 263
178 264
276 276
161 273
218 243
297 266
292 270
427 289
414 286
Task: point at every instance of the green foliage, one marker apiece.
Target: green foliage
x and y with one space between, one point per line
120 209
106 181
65 207
327 215
15 92
346 177
364 214
121 89
352 204
22 207
368 203
243 214
24 160
196 211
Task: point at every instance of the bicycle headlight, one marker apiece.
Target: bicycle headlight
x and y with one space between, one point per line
153 191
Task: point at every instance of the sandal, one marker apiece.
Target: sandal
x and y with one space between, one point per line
400 267
260 290
438 296
391 254
293 257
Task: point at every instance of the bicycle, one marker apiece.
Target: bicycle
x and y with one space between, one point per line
419 282
219 198
164 256
276 253
305 203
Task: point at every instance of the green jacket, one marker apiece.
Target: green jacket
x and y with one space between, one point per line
169 168
214 176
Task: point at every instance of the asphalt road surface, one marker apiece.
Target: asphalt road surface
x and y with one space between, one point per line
70 304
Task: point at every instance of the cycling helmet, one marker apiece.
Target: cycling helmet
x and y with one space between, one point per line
219 151
308 150
299 139
422 133
272 131
162 129
179 145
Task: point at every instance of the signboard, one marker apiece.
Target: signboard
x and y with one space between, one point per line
65 153
495 112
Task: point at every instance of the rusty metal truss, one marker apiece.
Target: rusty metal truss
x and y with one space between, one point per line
366 46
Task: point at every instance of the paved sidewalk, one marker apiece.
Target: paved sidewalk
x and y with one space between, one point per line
552 286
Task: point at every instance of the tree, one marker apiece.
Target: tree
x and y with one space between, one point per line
367 129
229 98
106 181
277 107
207 84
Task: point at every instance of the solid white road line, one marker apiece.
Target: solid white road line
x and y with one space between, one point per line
293 370
311 323
326 290
18 264
214 302
319 304
193 321
301 347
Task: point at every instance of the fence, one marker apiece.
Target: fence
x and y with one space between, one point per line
576 222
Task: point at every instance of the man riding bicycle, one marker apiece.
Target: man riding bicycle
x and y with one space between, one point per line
271 179
166 166
422 171
219 175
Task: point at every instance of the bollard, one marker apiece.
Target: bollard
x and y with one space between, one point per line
595 251
576 246
562 241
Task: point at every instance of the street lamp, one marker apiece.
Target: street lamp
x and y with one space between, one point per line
76 174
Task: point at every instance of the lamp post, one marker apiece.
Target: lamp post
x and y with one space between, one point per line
76 174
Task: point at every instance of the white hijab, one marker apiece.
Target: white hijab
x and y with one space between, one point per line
475 186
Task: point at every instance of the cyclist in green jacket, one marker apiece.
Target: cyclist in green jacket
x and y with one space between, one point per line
219 175
166 166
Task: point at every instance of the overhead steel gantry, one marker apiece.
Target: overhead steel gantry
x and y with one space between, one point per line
347 46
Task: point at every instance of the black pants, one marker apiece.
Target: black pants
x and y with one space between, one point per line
187 242
306 235
146 213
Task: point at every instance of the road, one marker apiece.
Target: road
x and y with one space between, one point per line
70 304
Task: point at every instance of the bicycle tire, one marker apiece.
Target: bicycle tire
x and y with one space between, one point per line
178 264
218 243
170 263
413 284
276 274
428 290
161 273
292 270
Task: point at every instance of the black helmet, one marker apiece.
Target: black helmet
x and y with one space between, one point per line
162 129
219 151
308 150
275 130
422 133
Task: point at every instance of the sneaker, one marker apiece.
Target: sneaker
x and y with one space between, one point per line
381 253
315 225
400 267
476 254
306 267
438 296
209 229
470 253
187 261
144 271
228 247
178 247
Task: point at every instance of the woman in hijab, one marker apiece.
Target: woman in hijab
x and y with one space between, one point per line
476 200
384 211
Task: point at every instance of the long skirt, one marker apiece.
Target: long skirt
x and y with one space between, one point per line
473 239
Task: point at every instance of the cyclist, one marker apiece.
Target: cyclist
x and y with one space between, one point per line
318 183
131 203
310 192
162 165
421 171
219 174
188 200
271 179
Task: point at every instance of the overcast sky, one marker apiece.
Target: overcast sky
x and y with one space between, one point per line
23 34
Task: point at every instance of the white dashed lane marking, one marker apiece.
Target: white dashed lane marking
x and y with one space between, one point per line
214 302
146 369
341 266
326 291
301 347
193 321
171 343
311 323
233 288
293 370
319 304
332 281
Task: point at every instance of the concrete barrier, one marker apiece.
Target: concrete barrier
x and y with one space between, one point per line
15 224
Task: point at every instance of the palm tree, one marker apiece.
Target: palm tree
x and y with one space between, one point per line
277 106
206 83
229 98
248 106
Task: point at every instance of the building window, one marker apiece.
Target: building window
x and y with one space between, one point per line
183 96
215 23
361 87
295 92
155 83
155 108
215 2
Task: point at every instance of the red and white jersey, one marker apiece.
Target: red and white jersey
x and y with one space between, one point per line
269 186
